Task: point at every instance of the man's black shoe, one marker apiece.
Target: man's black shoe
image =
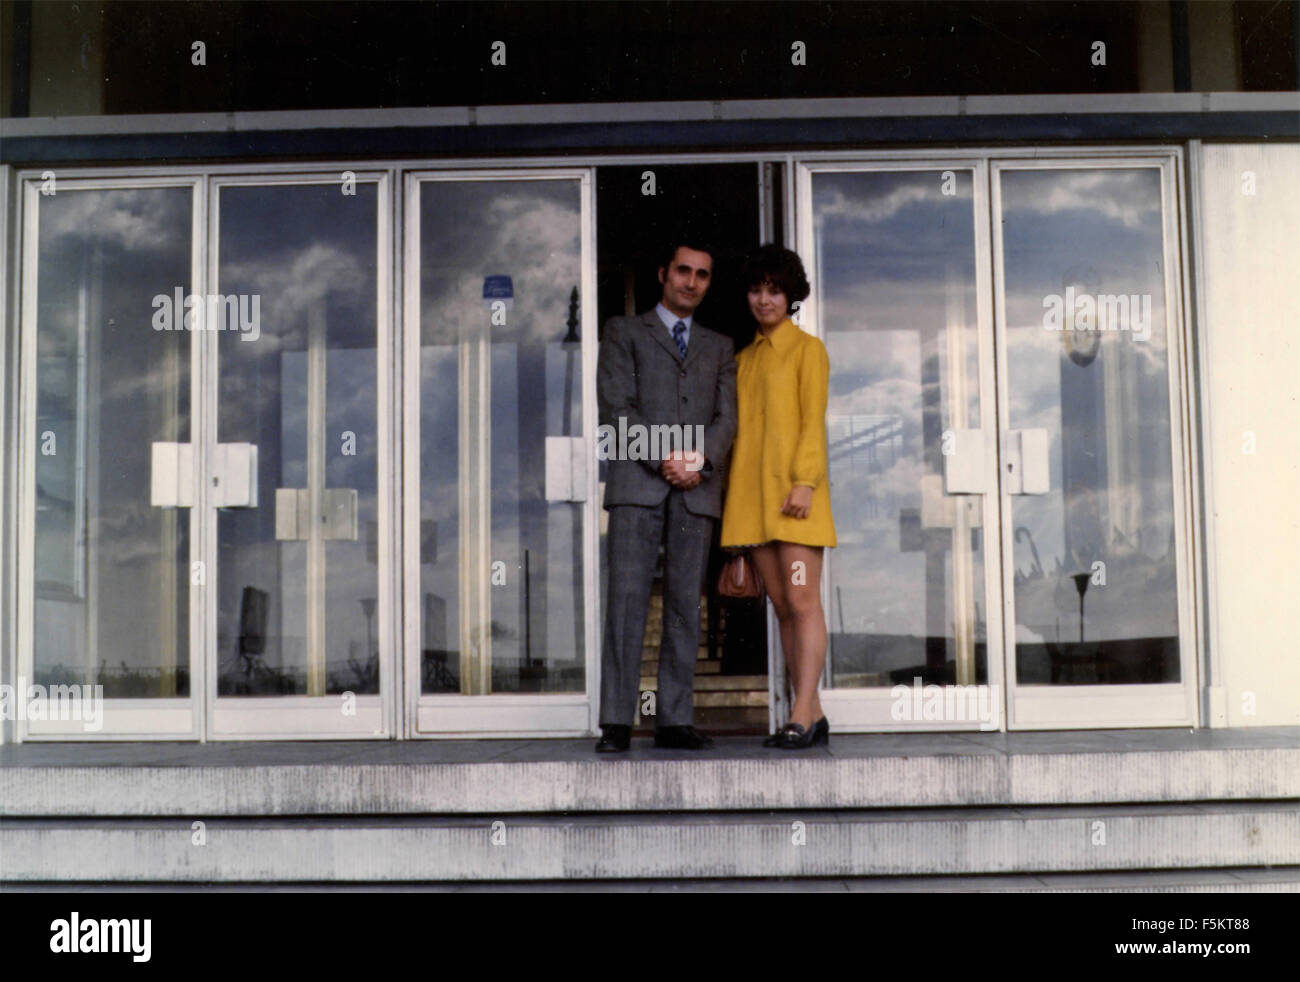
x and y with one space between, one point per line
681 738
614 738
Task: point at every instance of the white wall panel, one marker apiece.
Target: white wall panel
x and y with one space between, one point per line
1250 336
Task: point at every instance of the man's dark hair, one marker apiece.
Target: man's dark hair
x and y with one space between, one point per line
683 241
780 268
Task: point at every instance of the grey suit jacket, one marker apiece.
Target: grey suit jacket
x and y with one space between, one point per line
642 381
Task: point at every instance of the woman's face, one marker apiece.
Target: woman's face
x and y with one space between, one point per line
768 305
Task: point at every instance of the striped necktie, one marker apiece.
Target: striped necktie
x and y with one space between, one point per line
679 335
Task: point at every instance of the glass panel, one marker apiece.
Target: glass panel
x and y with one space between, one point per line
895 253
1087 362
501 570
298 573
112 584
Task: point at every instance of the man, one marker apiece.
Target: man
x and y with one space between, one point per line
662 369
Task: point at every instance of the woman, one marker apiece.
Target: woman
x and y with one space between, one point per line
778 502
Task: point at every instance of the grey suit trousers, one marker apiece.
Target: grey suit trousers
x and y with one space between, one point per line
632 542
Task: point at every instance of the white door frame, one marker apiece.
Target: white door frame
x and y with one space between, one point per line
155 719
123 719
870 710
1061 707
450 716
303 717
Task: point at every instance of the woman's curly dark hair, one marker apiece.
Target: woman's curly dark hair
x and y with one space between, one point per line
782 269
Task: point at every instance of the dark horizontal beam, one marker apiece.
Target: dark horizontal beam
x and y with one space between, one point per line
650 137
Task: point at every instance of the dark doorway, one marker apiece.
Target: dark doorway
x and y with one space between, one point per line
720 204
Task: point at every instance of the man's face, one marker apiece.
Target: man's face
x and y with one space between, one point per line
686 280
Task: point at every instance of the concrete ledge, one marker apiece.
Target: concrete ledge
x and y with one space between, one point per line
631 846
505 777
617 112
1277 879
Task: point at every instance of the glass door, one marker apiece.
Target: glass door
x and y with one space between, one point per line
1008 490
1094 530
500 473
898 257
108 601
299 460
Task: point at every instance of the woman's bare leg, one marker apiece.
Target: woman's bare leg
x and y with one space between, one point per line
767 563
801 569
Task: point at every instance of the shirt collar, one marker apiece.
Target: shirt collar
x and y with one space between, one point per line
670 319
782 336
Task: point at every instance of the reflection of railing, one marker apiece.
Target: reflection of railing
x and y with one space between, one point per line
858 439
1035 571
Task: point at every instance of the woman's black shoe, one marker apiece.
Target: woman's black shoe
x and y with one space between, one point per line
776 739
795 737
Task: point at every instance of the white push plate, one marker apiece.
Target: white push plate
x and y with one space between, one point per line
338 516
566 469
171 473
289 504
963 461
1025 467
1033 457
234 475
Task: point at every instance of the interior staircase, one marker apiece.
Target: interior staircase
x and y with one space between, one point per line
734 704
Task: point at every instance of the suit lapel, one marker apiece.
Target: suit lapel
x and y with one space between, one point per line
660 333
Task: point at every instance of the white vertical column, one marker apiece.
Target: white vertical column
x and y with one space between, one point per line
963 573
474 414
316 363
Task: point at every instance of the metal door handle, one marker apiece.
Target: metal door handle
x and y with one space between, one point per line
234 475
566 468
1025 467
338 514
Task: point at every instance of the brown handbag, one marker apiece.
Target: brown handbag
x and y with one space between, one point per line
739 579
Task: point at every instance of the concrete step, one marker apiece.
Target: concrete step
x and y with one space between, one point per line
894 843
861 771
1276 879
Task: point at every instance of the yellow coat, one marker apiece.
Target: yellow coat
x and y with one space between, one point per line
781 382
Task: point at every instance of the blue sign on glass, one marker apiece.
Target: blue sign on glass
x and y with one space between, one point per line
498 288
